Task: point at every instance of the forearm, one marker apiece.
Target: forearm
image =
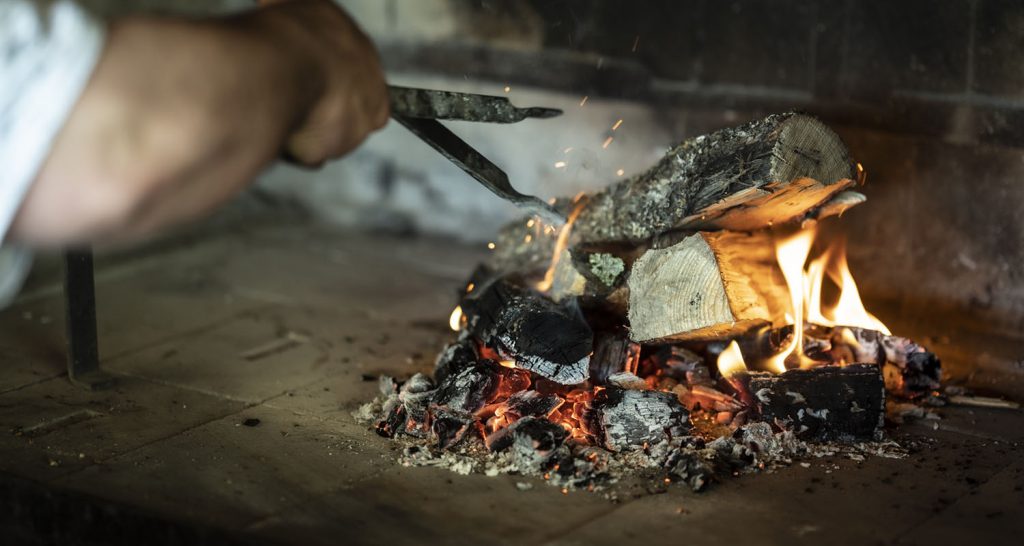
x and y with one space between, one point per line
177 116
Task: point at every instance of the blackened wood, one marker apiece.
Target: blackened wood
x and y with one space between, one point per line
844 403
448 428
531 403
613 353
622 419
549 339
454 358
470 389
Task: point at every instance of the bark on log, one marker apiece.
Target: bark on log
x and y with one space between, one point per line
782 168
766 172
710 285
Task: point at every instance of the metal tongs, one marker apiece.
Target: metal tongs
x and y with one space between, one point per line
419 111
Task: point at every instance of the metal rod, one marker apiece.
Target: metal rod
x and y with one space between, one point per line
80 305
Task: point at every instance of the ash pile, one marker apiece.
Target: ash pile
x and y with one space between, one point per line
681 326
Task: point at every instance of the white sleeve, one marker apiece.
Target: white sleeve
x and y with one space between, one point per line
47 53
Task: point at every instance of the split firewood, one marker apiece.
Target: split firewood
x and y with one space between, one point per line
522 325
711 285
843 403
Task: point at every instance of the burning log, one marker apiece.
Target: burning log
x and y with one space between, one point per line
843 403
709 286
624 420
547 338
766 172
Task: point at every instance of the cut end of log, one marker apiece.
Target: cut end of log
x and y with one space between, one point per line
708 286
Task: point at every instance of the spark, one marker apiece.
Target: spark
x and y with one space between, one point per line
607 141
584 101
616 126
567 150
560 164
620 172
490 246
636 43
508 88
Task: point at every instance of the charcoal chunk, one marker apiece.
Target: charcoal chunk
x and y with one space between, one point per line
469 390
531 403
533 442
547 338
622 419
450 427
454 358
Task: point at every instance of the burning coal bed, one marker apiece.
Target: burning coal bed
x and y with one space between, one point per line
681 327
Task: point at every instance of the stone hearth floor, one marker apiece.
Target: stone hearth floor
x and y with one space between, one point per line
218 432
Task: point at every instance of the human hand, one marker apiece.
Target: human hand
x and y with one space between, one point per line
353 101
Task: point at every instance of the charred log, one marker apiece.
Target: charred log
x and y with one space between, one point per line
549 339
828 403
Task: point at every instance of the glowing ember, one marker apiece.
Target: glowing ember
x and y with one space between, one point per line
455 320
730 362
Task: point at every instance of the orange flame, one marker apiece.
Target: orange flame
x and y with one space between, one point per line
849 309
792 253
730 362
560 244
806 288
455 320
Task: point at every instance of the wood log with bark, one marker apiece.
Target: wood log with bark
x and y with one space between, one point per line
783 168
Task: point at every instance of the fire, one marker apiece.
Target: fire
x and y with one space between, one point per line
806 287
730 362
849 309
792 253
560 244
455 320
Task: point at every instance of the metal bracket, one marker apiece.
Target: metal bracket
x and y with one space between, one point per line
80 306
